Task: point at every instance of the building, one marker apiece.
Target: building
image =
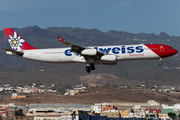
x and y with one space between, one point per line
109 107
163 116
124 113
2 111
139 113
10 110
151 115
175 106
111 114
96 108
26 90
62 116
19 96
154 110
93 118
166 111
71 92
153 103
54 109
7 109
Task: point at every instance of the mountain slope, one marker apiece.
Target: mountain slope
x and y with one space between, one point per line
129 72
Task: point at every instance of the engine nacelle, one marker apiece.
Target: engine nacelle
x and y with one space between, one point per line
108 57
89 52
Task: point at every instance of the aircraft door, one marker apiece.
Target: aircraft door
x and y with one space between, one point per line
161 48
37 54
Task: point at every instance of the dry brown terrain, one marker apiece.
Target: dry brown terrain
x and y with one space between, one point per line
102 78
100 94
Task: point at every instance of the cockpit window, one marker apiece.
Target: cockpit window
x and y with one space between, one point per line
170 47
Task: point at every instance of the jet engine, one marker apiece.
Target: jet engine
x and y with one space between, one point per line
108 57
89 52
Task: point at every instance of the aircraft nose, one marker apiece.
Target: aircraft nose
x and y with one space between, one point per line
175 51
169 51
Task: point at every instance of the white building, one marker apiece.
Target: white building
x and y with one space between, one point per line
175 106
64 116
47 118
96 108
69 117
26 90
58 107
153 103
164 116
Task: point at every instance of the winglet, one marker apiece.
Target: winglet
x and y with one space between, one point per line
60 39
74 47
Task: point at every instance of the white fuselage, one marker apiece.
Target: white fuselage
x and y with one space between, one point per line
107 55
65 55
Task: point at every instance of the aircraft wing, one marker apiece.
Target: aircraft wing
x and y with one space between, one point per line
19 53
77 48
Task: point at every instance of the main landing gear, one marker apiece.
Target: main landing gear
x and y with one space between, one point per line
160 62
90 67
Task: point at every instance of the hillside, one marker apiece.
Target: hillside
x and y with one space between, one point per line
14 70
98 95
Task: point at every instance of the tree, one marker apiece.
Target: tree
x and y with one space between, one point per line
73 115
179 116
19 113
171 115
93 113
97 114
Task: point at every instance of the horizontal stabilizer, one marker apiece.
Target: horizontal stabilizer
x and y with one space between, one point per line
13 51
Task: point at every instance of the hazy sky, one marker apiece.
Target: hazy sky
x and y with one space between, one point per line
135 16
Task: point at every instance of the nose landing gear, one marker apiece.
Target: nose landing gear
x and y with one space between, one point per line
90 67
160 62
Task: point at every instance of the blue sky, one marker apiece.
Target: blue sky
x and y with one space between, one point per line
134 16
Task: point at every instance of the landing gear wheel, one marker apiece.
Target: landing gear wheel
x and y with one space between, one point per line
160 63
92 67
88 69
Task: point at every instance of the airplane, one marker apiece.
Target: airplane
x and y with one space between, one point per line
91 55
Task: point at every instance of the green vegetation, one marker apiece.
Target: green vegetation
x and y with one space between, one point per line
171 115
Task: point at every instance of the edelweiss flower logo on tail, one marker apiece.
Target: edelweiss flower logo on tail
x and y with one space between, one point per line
15 41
